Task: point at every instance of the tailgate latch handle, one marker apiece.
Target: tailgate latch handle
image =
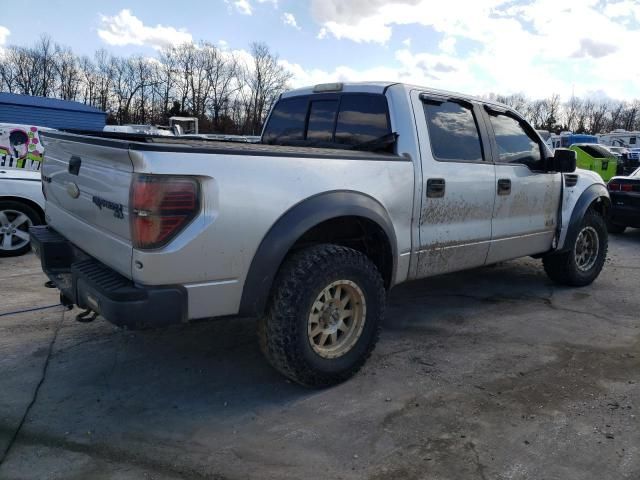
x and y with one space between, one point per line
74 165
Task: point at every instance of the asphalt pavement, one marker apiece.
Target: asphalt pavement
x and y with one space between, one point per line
494 373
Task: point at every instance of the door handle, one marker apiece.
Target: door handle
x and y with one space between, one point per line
435 187
504 186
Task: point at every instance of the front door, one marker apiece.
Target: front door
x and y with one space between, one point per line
525 214
459 180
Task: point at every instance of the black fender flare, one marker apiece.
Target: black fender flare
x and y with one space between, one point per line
292 225
593 193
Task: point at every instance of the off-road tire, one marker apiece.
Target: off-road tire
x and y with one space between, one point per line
34 216
562 268
282 330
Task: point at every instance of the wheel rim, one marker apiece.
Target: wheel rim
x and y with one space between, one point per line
337 318
14 229
587 248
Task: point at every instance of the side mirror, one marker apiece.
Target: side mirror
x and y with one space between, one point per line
563 161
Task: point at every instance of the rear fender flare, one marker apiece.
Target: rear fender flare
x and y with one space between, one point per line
299 219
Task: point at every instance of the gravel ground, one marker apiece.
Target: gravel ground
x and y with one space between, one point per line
489 374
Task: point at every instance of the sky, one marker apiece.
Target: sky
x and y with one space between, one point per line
541 47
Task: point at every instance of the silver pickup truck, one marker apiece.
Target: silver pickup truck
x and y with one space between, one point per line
354 188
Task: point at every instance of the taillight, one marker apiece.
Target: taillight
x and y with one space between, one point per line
621 187
161 207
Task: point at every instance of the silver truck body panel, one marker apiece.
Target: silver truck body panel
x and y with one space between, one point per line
524 222
245 194
455 230
104 175
240 206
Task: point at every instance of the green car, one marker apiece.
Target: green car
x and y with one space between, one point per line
596 158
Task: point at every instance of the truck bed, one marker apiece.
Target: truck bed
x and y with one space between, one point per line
139 142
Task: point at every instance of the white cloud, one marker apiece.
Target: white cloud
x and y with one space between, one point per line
407 42
290 19
448 45
502 46
243 7
4 33
127 29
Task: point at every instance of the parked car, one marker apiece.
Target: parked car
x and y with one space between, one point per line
354 189
625 202
619 152
633 161
21 206
596 158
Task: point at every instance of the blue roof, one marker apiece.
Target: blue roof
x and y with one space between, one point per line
45 102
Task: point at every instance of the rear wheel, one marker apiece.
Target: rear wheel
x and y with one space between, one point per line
15 220
324 315
584 260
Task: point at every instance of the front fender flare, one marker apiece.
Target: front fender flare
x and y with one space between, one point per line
595 192
292 225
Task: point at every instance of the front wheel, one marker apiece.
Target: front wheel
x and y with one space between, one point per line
324 316
582 263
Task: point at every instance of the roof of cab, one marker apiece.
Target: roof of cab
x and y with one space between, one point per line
381 87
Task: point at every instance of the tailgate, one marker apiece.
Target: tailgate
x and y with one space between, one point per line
87 182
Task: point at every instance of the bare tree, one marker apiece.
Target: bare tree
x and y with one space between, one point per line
265 79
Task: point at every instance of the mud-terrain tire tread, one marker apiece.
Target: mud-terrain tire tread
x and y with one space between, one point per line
561 268
286 318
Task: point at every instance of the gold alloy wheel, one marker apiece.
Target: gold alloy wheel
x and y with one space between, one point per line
337 318
587 248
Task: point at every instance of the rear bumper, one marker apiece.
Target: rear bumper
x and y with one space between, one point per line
628 216
625 209
90 284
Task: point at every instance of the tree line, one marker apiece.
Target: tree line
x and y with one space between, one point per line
578 115
227 92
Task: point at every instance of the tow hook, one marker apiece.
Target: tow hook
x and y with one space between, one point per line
87 316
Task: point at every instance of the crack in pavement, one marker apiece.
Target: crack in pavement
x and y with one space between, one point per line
480 467
34 397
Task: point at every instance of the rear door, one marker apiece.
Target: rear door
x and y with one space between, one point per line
525 214
459 181
87 183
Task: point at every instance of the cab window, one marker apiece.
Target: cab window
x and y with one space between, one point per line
453 131
515 144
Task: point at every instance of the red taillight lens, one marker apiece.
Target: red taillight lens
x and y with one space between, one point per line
161 207
621 187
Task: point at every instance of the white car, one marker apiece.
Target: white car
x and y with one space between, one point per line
21 206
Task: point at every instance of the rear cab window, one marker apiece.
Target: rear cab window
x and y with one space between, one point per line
453 131
345 120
